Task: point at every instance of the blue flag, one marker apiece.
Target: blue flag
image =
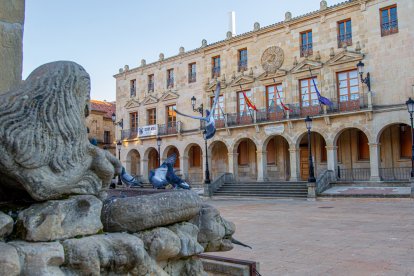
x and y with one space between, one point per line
321 99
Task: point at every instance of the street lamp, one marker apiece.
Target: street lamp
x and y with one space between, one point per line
120 123
119 146
200 110
410 107
159 151
365 80
308 122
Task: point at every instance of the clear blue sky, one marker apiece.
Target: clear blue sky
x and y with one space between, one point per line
104 35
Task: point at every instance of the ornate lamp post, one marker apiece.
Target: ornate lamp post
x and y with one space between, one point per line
119 146
308 122
200 110
365 80
120 123
159 150
410 107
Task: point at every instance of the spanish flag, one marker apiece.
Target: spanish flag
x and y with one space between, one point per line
248 102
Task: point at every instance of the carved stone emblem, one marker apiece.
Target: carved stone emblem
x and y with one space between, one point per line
272 59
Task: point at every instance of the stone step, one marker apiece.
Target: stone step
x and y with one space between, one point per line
262 195
262 189
372 184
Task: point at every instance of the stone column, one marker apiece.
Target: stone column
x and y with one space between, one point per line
332 156
184 166
11 43
294 167
374 155
144 168
261 166
233 167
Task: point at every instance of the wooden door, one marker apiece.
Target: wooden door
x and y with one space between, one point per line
304 163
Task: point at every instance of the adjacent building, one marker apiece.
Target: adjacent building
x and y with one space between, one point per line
364 135
100 126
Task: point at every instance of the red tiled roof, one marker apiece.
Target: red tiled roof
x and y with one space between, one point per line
107 107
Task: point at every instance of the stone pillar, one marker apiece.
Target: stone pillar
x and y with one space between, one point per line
11 43
233 167
374 154
261 165
144 168
184 166
332 156
294 167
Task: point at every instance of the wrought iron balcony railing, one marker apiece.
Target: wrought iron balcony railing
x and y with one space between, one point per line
192 77
344 40
390 27
242 66
133 92
150 87
170 83
306 50
169 128
215 72
127 134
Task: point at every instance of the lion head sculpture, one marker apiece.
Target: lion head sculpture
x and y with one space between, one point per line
44 148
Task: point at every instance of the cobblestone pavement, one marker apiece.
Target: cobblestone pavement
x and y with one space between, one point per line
352 236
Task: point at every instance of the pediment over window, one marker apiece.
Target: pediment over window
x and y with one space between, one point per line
169 95
241 80
305 64
149 100
269 76
132 103
344 57
213 84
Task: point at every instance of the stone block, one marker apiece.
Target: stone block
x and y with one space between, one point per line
6 225
9 260
60 219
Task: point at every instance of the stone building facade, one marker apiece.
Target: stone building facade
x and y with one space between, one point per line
364 135
100 125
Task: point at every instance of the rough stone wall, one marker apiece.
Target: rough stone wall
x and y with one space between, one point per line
11 42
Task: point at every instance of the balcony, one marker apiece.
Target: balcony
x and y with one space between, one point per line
390 27
192 77
170 83
306 50
170 128
242 65
215 72
344 40
268 115
150 87
127 134
240 119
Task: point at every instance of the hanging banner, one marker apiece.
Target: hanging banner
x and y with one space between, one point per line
147 130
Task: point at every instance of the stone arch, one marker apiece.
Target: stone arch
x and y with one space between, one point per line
218 153
151 159
298 138
343 129
133 162
378 134
170 150
268 138
245 150
277 162
319 153
193 167
188 147
239 138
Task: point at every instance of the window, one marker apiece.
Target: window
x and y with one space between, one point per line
242 64
389 20
306 48
215 71
218 111
133 88
152 116
242 107
405 142
348 88
192 72
133 120
308 92
171 115
344 33
243 157
107 137
195 156
170 78
151 83
274 95
363 147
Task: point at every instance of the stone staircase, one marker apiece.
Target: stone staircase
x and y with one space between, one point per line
270 189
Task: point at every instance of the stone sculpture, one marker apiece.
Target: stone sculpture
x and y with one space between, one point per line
44 147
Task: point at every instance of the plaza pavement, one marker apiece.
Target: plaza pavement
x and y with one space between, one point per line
341 236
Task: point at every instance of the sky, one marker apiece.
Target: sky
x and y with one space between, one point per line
105 35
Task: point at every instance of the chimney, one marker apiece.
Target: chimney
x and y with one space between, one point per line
232 22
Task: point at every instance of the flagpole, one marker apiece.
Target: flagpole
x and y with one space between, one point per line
310 90
248 107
